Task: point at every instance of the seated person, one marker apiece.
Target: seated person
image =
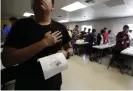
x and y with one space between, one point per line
83 33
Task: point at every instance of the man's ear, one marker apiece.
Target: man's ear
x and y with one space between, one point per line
52 7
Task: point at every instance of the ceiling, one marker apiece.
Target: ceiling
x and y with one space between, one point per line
99 9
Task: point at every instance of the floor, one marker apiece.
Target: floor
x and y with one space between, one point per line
85 75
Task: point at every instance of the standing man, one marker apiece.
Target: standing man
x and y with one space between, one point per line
75 32
34 38
84 31
122 42
122 39
7 28
89 31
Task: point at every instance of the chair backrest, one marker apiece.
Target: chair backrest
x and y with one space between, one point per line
8 75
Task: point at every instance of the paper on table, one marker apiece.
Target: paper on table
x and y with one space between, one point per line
53 64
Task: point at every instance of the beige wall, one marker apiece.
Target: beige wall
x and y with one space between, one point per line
4 21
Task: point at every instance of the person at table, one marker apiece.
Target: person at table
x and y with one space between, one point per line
130 34
100 39
91 38
89 31
122 42
75 32
8 27
105 36
34 38
111 37
75 35
84 31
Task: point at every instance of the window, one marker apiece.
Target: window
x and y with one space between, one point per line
130 26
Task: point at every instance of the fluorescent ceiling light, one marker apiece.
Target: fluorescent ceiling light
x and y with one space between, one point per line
26 14
74 6
61 21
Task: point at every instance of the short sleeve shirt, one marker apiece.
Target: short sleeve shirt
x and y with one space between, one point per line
123 43
25 33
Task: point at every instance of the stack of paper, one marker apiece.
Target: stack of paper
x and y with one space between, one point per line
53 64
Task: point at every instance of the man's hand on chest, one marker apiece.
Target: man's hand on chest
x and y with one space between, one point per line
51 39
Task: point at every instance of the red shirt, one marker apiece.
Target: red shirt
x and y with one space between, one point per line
105 36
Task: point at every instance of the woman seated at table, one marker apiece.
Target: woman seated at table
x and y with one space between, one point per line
91 38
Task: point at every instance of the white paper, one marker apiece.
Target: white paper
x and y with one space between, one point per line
53 64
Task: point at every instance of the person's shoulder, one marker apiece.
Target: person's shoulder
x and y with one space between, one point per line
8 26
119 33
23 20
58 24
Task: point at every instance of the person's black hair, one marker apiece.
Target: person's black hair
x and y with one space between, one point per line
130 30
105 28
93 30
13 19
51 0
77 26
102 31
109 31
125 26
85 28
4 25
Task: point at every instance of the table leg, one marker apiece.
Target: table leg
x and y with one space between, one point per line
132 67
101 56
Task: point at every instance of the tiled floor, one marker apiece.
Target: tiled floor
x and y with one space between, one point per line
85 75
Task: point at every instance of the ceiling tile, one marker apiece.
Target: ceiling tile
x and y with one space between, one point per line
98 6
113 3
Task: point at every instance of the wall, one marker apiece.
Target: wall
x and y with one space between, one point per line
114 24
4 21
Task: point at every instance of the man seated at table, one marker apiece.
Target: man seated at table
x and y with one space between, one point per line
122 42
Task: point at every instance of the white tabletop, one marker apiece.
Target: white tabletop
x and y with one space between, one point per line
128 51
82 43
103 46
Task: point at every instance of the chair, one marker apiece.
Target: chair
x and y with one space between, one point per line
8 76
116 60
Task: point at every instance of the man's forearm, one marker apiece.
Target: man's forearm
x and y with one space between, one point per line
70 50
17 56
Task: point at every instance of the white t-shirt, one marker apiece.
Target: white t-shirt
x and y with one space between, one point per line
111 38
130 35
